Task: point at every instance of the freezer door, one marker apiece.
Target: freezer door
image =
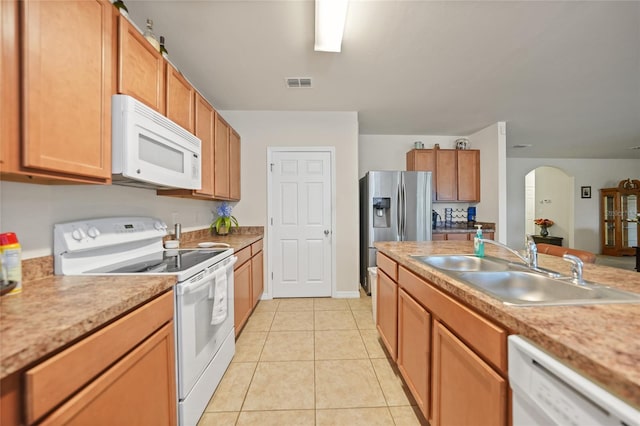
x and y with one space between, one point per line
383 218
416 196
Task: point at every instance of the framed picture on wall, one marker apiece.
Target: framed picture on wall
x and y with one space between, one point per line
586 191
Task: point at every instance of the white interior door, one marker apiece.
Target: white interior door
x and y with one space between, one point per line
301 207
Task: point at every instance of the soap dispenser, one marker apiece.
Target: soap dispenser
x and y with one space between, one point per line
478 244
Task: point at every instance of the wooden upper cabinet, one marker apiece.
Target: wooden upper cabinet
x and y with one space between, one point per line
446 175
204 115
221 158
234 165
455 172
141 69
421 160
67 86
468 175
9 86
180 103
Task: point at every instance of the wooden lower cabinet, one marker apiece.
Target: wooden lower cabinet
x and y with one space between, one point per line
459 236
466 390
387 310
242 303
257 277
138 390
414 347
123 373
248 282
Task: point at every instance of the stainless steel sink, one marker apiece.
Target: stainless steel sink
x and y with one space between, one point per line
464 263
530 289
515 284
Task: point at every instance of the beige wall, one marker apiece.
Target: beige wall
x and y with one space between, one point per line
263 129
491 141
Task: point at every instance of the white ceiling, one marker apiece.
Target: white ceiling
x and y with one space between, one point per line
565 76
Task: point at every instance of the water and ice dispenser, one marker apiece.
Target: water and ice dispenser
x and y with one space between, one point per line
381 212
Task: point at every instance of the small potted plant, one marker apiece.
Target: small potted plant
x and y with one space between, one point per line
543 224
224 221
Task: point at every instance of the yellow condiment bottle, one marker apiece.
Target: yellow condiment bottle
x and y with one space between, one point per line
11 253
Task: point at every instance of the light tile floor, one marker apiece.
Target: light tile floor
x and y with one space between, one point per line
311 362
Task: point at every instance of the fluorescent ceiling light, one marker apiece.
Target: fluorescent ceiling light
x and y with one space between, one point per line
330 18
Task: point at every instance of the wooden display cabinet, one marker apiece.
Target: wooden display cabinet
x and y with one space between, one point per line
620 218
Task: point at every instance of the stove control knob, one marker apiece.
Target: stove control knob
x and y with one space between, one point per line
78 234
93 232
159 226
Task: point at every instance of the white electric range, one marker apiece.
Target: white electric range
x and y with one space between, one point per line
205 336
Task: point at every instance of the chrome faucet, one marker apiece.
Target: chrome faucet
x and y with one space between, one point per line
531 257
576 268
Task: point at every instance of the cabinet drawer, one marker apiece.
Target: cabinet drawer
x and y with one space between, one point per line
489 340
55 379
243 255
390 267
256 247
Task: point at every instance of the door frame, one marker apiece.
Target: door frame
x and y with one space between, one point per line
270 240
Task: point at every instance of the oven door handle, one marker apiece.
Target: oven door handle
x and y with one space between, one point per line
192 288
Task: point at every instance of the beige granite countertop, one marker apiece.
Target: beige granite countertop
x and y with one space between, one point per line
50 313
53 312
602 342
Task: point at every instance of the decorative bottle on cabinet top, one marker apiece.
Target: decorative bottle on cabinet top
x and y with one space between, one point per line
150 36
163 50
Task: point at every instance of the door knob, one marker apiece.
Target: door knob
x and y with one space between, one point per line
326 232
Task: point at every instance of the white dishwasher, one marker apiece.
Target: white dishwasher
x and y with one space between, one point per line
547 392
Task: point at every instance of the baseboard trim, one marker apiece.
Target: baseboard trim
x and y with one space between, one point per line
347 295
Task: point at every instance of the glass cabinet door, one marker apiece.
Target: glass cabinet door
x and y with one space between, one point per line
609 220
629 215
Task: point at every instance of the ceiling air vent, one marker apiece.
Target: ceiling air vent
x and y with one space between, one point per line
298 82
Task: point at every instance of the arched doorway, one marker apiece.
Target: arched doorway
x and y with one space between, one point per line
549 193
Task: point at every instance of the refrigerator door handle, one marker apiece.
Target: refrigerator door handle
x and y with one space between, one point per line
398 215
404 211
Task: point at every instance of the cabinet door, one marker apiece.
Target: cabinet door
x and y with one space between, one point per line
140 67
67 86
234 165
242 302
468 175
221 159
9 86
414 357
387 309
204 130
180 99
139 389
458 236
465 389
438 237
257 277
421 160
446 175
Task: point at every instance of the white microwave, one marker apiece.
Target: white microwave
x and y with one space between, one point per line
151 151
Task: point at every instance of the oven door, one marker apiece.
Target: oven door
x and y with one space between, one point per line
197 341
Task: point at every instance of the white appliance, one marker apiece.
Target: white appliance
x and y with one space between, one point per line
394 206
151 151
205 335
547 392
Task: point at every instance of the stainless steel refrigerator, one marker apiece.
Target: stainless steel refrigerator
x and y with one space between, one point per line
394 206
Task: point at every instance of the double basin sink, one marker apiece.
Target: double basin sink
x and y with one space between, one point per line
516 284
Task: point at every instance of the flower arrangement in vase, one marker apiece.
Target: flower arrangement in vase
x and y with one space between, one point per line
543 224
225 220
